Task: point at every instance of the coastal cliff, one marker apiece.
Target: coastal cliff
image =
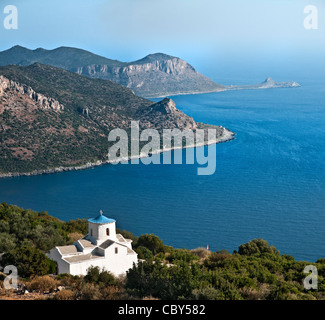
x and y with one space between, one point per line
54 120
156 75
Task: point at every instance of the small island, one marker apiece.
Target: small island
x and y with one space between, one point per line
269 83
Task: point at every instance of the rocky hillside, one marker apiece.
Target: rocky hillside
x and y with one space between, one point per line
52 118
7 86
164 114
153 76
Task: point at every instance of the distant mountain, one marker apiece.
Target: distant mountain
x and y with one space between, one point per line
52 118
62 57
153 76
156 75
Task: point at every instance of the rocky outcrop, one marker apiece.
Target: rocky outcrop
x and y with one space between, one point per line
41 100
269 83
169 65
165 115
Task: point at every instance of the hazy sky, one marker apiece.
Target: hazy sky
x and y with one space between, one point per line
229 36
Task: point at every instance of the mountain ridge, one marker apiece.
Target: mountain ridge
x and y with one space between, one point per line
155 75
55 120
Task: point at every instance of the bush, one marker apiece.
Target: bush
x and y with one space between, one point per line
144 253
29 261
256 246
200 252
106 278
151 242
90 291
208 293
114 293
260 293
103 278
66 294
181 255
42 284
7 242
19 227
74 236
67 280
92 274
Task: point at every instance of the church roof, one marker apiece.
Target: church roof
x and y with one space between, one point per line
106 244
101 219
71 249
86 243
82 257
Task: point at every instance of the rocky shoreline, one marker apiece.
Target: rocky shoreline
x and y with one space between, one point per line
226 136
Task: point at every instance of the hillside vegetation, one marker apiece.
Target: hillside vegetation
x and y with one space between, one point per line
52 118
255 271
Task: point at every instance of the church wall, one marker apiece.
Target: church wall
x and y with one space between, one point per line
81 267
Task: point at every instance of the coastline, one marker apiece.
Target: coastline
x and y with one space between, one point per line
225 137
258 86
170 94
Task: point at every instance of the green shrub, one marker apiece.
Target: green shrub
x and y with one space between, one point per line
28 260
256 246
144 253
100 277
151 242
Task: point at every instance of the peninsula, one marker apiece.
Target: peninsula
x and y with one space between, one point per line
55 120
156 75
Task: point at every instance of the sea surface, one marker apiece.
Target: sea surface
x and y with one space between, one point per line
269 182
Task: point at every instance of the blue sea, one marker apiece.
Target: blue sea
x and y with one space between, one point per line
269 182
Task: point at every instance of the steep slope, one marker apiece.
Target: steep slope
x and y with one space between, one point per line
164 114
52 118
153 76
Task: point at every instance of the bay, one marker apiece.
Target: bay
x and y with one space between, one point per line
269 182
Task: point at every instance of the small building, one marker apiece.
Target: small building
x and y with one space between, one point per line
101 247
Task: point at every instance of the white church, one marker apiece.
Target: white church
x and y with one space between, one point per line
101 247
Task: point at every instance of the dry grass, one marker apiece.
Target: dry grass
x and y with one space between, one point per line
201 252
65 295
42 284
74 236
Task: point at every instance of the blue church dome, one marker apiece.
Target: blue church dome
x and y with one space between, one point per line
101 219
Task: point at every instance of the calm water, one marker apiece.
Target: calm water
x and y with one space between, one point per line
269 182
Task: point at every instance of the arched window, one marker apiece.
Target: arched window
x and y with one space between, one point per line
107 231
116 250
91 232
